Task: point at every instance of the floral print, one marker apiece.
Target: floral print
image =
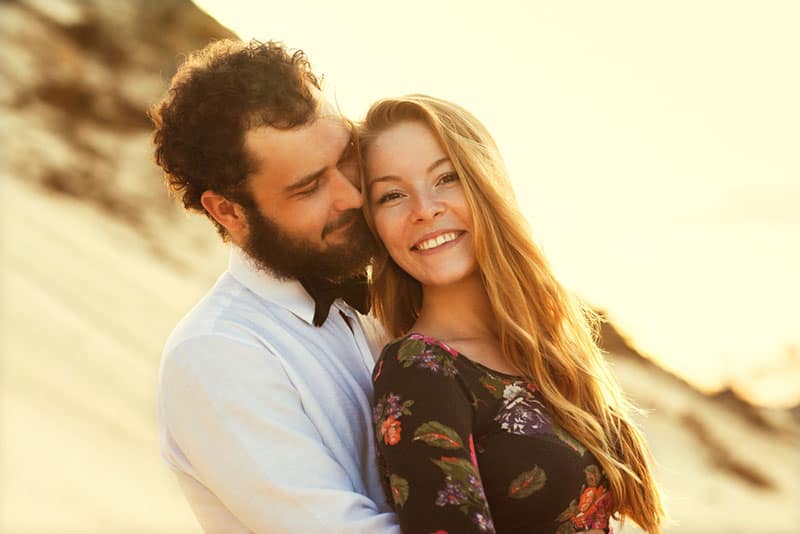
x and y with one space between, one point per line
438 435
464 449
463 489
462 484
386 416
435 342
377 372
521 413
527 483
592 509
399 489
425 353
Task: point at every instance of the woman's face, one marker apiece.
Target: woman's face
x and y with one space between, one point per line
418 204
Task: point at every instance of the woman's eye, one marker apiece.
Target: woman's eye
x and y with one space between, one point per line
448 178
388 196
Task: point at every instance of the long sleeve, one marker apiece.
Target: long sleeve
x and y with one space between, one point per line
424 431
241 425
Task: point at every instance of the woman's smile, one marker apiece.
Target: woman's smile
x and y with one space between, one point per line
439 241
419 207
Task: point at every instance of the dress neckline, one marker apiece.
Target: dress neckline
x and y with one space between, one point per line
472 362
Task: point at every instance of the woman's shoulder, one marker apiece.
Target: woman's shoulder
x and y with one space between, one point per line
416 342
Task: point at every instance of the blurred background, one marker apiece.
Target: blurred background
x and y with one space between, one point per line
653 147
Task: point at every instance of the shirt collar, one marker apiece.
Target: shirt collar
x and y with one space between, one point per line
289 294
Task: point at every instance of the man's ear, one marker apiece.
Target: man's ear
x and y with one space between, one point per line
226 212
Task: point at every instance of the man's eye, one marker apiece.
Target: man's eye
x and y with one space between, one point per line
309 190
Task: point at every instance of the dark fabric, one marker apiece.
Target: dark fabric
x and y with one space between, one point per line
464 449
354 292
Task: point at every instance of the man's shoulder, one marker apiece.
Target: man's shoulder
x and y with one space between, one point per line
374 332
227 331
228 310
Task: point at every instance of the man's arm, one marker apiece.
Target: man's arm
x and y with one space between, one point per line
239 421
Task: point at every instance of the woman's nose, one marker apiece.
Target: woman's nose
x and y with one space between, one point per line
427 208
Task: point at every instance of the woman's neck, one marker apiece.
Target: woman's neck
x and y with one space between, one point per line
456 311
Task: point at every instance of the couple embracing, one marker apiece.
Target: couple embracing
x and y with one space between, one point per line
388 349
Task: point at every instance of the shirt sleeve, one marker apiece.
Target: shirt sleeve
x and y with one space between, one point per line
236 417
423 427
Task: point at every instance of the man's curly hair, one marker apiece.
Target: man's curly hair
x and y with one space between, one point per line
217 94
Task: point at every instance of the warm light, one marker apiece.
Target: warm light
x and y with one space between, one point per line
653 148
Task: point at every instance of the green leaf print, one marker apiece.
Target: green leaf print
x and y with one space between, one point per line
565 528
399 487
493 384
408 350
570 511
460 473
436 434
459 469
567 438
527 483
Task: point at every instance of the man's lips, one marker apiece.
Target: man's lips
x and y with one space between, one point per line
342 223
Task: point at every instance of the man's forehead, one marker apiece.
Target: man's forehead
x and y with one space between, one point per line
323 109
323 130
290 153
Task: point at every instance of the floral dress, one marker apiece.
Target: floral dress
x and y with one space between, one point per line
463 448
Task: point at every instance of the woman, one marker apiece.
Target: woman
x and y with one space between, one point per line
494 409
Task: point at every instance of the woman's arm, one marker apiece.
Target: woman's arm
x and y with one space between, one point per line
423 426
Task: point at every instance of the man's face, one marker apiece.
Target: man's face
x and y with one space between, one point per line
307 219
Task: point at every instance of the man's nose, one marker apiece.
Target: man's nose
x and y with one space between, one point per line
346 195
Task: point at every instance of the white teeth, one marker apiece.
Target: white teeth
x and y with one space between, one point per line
437 241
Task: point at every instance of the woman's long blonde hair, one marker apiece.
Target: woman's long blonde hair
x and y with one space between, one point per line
544 331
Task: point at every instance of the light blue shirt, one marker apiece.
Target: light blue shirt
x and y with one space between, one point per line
266 418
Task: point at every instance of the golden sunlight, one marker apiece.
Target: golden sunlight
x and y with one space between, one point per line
653 149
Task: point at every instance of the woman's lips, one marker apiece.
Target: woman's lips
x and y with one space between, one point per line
438 241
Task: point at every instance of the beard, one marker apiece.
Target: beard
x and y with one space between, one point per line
296 258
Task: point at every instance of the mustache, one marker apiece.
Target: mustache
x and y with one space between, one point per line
346 219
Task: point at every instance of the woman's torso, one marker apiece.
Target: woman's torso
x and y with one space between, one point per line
534 477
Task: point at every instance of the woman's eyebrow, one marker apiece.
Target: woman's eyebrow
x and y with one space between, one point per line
393 178
387 178
437 163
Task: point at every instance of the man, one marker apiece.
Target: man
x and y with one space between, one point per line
264 393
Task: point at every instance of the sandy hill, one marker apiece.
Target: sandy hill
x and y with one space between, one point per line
97 265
